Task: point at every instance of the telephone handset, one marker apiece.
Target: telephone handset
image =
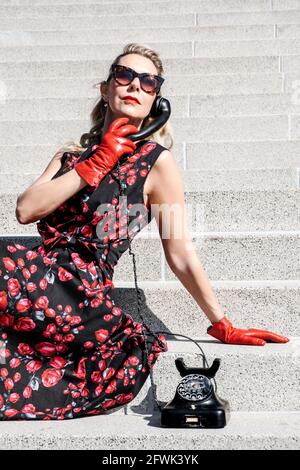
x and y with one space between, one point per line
161 110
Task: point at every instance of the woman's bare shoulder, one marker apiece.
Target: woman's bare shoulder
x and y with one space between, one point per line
164 173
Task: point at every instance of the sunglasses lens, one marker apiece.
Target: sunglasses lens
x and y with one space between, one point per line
149 83
124 76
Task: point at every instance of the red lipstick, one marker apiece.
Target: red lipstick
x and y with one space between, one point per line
133 98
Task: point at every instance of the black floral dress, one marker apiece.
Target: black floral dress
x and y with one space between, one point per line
66 349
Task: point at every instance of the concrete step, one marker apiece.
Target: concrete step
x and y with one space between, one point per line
216 129
95 36
266 304
192 6
245 430
262 47
184 49
89 52
180 65
176 85
246 255
250 377
70 2
281 19
182 106
237 145
198 181
224 256
212 207
220 156
238 155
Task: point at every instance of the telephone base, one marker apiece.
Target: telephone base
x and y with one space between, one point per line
174 417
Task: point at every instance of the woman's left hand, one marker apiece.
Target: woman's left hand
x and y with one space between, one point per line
227 333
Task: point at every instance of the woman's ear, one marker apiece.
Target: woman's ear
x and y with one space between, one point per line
103 90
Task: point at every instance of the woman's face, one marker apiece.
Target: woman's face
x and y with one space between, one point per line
113 93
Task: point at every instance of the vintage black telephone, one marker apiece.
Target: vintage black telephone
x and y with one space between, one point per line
196 403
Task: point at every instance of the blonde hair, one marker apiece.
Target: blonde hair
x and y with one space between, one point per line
163 136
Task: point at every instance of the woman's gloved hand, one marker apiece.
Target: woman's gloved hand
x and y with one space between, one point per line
113 146
227 333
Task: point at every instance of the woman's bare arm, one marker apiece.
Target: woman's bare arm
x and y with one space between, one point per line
167 203
52 168
42 198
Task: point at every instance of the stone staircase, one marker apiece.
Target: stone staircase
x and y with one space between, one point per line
232 75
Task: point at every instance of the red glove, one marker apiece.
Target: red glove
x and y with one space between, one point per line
113 146
225 332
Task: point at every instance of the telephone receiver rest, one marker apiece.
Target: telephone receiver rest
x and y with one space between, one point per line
209 373
160 110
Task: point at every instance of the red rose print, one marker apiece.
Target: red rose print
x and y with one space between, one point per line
108 373
131 372
147 148
102 365
25 349
124 398
26 273
50 312
64 275
27 392
43 284
126 381
30 255
24 324
31 287
87 231
92 269
3 372
99 390
28 408
14 397
63 340
41 303
95 303
15 362
33 366
50 330
69 338
14 287
33 269
46 349
112 387
9 384
3 301
96 376
17 376
58 362
23 305
133 360
109 404
78 261
11 412
131 180
9 264
101 335
50 377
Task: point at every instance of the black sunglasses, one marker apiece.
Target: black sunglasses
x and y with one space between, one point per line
124 75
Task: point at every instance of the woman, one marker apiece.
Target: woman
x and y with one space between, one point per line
67 350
